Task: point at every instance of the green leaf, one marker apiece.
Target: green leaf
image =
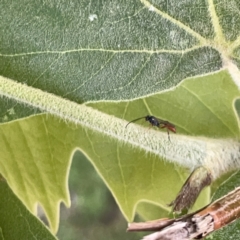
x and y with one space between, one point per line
88 59
16 222
176 61
47 167
33 170
192 106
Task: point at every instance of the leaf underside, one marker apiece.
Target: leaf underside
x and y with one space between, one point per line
127 59
16 221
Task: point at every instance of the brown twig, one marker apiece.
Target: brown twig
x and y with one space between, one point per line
196 225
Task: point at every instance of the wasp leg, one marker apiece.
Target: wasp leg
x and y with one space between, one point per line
164 126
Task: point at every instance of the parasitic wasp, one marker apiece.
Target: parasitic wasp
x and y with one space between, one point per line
157 122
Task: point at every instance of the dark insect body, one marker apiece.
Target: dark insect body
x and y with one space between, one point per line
157 122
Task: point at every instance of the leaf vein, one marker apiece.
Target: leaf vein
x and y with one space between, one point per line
201 39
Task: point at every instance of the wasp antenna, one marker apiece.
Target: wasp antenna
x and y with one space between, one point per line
168 136
135 120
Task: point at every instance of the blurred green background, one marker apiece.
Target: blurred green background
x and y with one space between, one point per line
94 213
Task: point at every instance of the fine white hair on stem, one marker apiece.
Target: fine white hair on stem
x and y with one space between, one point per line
217 155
